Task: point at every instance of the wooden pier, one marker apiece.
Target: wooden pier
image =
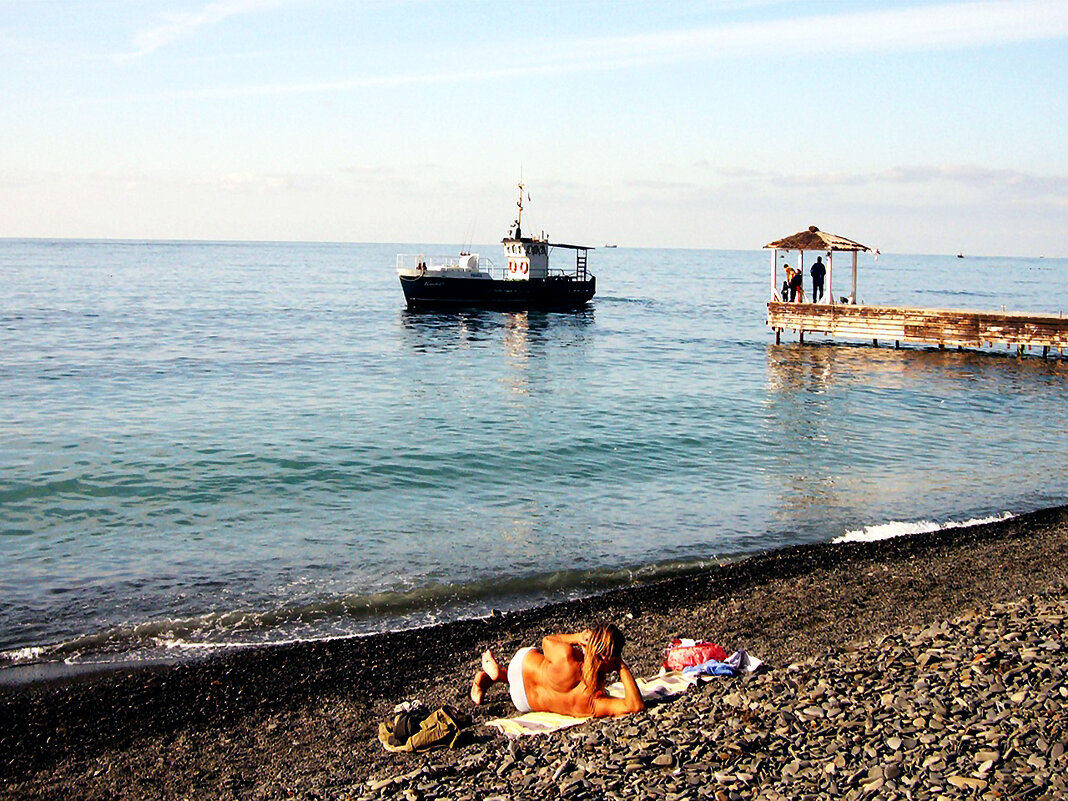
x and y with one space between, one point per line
941 327
789 309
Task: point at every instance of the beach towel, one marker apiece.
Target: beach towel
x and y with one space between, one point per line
534 723
656 688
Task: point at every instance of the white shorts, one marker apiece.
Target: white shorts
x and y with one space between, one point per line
516 688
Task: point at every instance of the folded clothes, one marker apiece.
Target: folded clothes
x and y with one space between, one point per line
713 667
738 662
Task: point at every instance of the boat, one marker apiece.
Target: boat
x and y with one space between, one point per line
471 281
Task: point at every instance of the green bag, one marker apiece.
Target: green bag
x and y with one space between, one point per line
440 729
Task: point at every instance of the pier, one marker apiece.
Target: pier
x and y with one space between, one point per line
789 308
941 327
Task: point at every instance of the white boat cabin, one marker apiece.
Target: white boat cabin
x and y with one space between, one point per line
527 258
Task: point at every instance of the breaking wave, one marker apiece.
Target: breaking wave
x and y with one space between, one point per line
885 531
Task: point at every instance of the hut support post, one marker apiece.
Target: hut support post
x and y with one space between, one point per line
830 277
853 297
774 273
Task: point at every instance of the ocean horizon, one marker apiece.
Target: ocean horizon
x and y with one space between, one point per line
211 445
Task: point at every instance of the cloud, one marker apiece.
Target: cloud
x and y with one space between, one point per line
177 26
945 25
983 180
980 178
660 186
951 25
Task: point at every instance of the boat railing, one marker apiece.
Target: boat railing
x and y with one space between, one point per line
415 263
580 272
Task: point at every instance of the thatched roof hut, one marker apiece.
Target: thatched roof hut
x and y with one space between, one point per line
815 240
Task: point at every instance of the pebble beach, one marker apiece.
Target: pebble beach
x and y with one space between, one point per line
927 666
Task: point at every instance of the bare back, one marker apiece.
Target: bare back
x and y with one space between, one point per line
553 676
554 683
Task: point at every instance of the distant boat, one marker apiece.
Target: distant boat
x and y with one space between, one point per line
960 255
609 246
527 283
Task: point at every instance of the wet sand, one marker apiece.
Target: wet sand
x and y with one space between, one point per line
301 720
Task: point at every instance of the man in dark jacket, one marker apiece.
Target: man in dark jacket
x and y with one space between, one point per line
818 271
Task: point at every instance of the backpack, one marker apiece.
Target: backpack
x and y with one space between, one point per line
686 653
418 729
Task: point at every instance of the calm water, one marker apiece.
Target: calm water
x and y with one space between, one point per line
209 444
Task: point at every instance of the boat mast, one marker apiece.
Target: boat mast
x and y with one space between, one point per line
519 222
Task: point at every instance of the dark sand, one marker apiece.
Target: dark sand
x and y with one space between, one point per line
301 720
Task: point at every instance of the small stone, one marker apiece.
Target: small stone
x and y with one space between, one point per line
561 769
874 785
966 782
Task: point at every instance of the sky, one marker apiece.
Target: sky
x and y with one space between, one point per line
911 126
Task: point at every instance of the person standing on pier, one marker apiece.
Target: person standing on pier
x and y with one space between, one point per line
796 279
818 272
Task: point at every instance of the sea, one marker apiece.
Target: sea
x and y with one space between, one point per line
217 445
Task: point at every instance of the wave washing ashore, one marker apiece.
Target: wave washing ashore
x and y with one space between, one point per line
923 666
211 445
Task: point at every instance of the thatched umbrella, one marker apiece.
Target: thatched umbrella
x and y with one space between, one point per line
815 239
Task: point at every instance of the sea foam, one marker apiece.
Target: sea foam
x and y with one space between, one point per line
895 528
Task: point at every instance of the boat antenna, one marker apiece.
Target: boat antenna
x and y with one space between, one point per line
469 242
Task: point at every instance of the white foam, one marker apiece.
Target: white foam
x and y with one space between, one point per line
21 655
894 528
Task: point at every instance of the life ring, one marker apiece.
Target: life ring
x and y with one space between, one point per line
523 267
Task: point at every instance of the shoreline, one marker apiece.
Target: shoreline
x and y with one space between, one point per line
584 584
272 722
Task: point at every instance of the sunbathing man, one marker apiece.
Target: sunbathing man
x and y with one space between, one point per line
566 675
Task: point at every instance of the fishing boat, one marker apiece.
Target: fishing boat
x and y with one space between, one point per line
471 281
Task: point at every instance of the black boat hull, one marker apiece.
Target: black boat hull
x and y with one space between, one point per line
554 292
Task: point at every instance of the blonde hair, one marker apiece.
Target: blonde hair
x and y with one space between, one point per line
605 646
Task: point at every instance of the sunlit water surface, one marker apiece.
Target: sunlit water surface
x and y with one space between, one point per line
210 444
